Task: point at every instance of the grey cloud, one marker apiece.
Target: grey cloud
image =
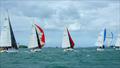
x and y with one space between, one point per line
88 16
38 12
60 13
70 12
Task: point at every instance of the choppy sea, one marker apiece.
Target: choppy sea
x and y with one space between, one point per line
57 58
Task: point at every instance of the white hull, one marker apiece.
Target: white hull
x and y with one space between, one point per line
117 48
35 50
9 51
100 49
69 49
3 51
12 51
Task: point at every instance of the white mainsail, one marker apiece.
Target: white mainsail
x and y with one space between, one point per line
5 38
33 39
117 44
100 40
65 41
108 41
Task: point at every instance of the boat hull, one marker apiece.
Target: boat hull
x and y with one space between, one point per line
9 51
35 50
117 48
2 51
100 49
69 49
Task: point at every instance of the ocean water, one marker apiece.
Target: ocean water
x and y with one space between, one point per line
56 58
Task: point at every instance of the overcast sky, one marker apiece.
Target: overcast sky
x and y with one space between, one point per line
84 19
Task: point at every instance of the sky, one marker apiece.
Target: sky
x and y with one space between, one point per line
85 19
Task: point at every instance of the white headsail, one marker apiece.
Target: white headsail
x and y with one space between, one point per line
65 41
117 44
100 40
33 38
109 39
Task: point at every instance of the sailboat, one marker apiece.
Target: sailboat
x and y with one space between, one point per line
117 44
101 41
67 42
37 39
7 38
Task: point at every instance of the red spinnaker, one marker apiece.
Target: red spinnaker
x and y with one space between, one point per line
70 38
43 36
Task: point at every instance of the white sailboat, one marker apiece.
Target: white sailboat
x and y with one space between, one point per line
67 42
117 44
7 38
101 41
37 39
